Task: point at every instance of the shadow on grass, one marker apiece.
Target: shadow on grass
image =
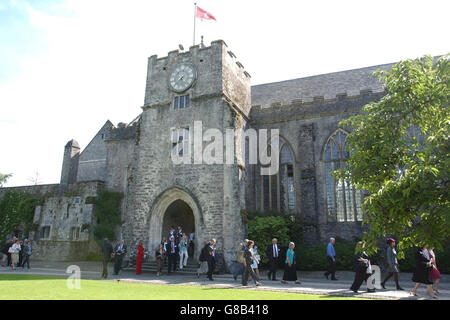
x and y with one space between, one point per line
342 294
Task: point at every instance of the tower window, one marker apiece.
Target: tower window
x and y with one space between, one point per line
180 141
181 102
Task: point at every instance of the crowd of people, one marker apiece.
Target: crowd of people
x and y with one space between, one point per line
425 272
16 253
175 249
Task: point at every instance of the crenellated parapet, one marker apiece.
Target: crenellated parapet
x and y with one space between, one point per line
123 131
318 107
218 73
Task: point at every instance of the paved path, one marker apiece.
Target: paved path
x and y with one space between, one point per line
312 282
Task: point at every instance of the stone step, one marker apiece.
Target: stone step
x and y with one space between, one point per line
154 270
193 265
151 266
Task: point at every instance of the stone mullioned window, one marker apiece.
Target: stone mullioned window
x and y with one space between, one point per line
180 141
277 191
181 102
343 202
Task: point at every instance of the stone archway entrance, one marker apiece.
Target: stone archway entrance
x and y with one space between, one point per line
175 206
178 214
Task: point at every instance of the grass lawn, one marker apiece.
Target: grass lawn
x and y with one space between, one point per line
35 287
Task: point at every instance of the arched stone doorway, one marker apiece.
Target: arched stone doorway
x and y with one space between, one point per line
175 206
178 214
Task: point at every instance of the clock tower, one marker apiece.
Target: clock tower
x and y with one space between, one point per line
206 87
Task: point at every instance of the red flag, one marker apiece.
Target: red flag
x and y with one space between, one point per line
202 14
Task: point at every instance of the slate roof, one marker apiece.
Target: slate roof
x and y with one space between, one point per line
327 85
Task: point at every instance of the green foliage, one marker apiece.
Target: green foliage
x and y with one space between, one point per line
293 222
4 178
107 214
406 175
314 258
94 256
311 258
17 209
443 258
263 229
266 225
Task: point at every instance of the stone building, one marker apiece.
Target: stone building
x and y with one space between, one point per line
209 84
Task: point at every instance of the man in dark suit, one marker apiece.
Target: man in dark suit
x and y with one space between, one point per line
5 253
165 246
107 250
11 242
172 253
273 253
211 258
119 253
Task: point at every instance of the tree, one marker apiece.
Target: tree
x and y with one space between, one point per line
263 229
17 211
400 155
35 179
4 178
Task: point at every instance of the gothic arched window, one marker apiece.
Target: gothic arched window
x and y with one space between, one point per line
343 202
277 191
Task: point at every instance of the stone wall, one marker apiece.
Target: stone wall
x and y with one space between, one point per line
92 160
63 210
214 190
120 145
306 127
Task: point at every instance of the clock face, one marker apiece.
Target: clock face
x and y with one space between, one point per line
182 77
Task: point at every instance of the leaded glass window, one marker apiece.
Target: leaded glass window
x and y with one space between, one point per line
181 102
180 141
343 201
277 191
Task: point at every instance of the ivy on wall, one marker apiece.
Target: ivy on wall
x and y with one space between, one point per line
107 214
17 211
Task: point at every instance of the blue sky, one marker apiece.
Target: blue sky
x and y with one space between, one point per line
67 66
19 37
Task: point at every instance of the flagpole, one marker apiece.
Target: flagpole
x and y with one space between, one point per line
195 13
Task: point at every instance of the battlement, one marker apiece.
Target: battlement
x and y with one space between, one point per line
123 130
318 107
193 51
319 100
218 72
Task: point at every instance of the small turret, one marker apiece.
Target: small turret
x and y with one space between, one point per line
70 162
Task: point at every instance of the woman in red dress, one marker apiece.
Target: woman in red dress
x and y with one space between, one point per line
140 257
